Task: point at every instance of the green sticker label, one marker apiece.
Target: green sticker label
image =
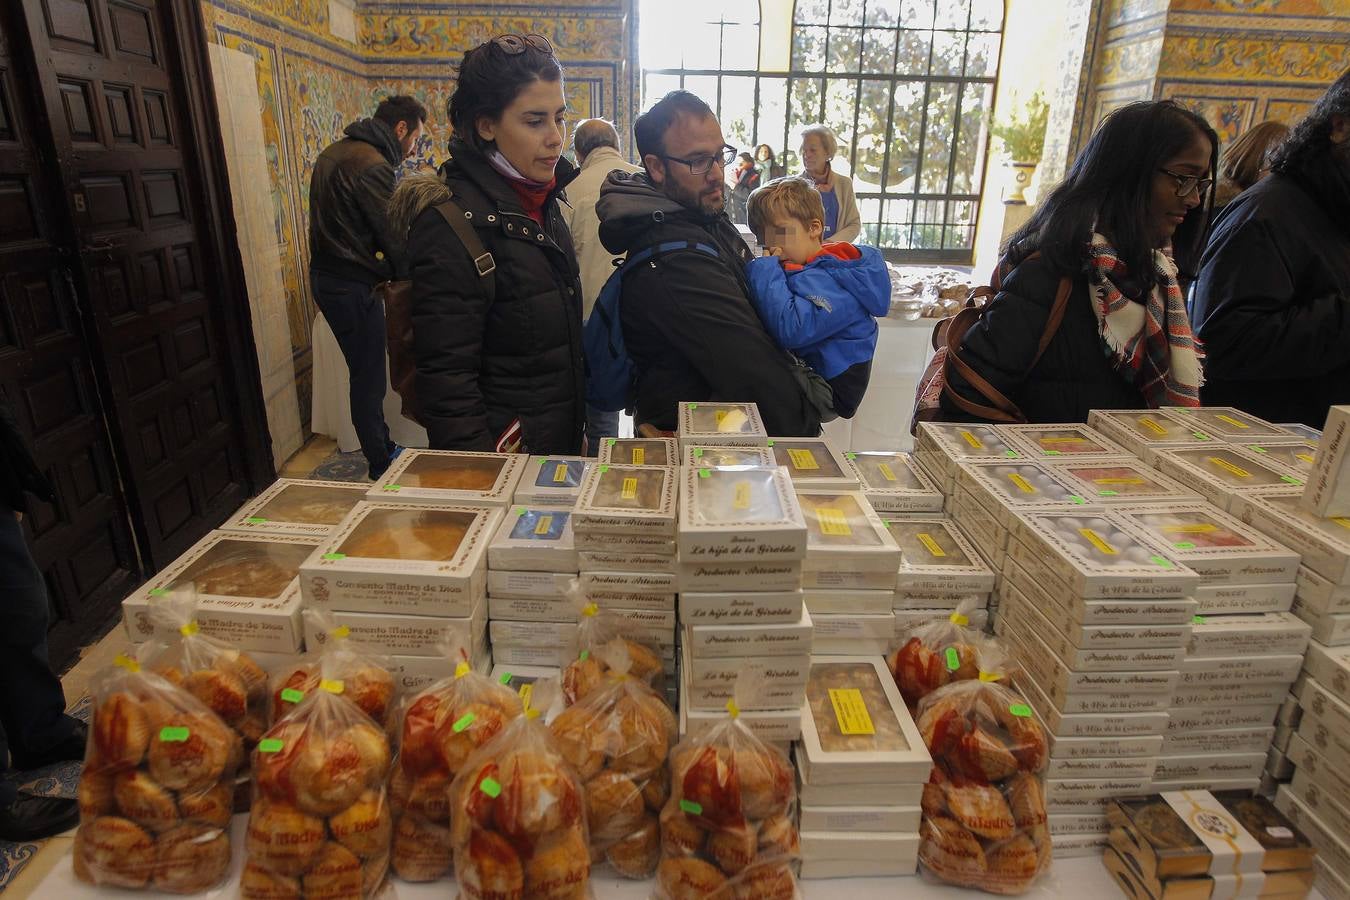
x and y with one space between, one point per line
693 406
393 487
689 806
1198 620
611 441
1184 545
291 695
255 520
698 453
1010 453
173 733
1109 493
1020 709
585 655
953 659
1161 561
464 722
1200 435
770 443
490 787
520 510
1077 499
506 678
704 473
270 745
1256 449
1053 453
1290 479
604 469
335 556
851 455
158 592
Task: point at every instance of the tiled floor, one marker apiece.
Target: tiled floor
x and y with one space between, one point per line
315 451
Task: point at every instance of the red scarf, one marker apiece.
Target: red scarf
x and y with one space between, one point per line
532 196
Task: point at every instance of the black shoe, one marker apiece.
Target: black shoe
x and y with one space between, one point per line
34 818
68 748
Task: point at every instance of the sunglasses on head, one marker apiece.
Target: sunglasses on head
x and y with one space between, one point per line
516 44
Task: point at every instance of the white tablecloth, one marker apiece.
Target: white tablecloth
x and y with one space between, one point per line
332 411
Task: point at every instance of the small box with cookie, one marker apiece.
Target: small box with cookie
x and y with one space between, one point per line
551 482
297 507
894 484
435 477
712 423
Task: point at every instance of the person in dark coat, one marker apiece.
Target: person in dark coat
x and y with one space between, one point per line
34 729
499 354
1140 187
687 320
1273 301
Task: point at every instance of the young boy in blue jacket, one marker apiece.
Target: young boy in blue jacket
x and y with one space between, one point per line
816 300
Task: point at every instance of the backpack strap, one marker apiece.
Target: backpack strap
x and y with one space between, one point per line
656 250
460 223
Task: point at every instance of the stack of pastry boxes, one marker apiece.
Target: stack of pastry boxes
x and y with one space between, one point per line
745 632
1244 652
406 571
940 447
532 565
1324 602
1099 616
862 763
246 574
940 569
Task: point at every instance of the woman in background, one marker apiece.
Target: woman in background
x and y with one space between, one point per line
768 165
842 220
1246 161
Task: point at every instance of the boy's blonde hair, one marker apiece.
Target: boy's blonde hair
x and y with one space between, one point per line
791 196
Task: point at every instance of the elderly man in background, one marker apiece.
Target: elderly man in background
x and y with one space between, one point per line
596 145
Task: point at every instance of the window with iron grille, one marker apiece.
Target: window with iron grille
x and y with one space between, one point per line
906 85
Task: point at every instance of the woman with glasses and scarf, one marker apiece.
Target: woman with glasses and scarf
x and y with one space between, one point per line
496 307
1125 228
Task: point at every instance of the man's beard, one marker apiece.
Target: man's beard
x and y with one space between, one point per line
695 199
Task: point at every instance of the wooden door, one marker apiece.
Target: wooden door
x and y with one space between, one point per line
83 542
124 106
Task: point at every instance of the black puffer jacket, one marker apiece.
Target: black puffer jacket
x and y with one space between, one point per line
19 472
687 320
481 363
1273 305
349 235
1074 375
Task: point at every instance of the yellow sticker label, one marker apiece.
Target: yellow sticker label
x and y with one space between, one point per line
1232 421
544 525
1306 457
741 495
850 711
1096 540
1063 440
803 459
1236 471
526 695
1119 481
1196 528
971 439
832 521
1022 484
331 685
639 456
886 471
1341 521
930 544
560 473
1153 426
461 669
629 489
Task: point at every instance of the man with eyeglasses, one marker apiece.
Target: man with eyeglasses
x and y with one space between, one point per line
1272 303
687 320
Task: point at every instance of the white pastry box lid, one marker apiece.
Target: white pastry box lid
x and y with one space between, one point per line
1057 440
617 499
1323 544
814 463
1228 467
297 507
1124 481
935 555
1099 555
1226 422
1137 428
893 483
739 514
1298 456
1218 546
713 455
1007 486
450 476
409 538
855 727
967 441
534 539
845 534
709 422
640 451
1299 430
552 480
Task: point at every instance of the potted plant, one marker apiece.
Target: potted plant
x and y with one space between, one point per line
1023 141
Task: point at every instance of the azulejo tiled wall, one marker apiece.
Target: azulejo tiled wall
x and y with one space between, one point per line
1236 62
312 83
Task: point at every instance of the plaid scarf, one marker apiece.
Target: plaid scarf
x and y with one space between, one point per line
1150 342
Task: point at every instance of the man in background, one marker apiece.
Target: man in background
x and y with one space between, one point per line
596 145
352 250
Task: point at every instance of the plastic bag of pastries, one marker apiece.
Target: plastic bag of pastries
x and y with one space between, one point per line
623 656
984 818
321 822
617 738
365 674
727 829
938 653
156 792
437 730
519 828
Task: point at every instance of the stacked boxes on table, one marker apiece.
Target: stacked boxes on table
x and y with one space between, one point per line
741 542
297 508
1328 491
1146 431
939 447
895 486
863 765
1225 473
532 564
940 569
1099 616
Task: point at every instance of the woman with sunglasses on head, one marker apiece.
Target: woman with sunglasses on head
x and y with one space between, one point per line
1124 228
496 309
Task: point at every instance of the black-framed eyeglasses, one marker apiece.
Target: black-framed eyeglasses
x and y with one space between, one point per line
1186 184
515 44
699 165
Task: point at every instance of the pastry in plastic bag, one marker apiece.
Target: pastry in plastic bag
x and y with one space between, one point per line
155 791
607 653
365 675
938 653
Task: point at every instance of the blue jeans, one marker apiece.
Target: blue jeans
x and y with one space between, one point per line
356 316
600 423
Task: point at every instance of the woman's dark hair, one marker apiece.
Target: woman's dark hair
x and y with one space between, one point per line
1248 155
768 155
491 77
747 158
1311 137
1108 189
